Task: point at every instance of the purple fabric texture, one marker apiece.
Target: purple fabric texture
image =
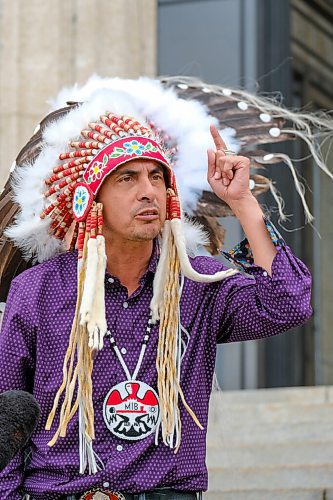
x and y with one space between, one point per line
34 339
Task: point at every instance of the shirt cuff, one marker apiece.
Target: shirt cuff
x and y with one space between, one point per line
241 255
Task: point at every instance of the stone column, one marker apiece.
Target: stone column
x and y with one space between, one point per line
312 52
46 45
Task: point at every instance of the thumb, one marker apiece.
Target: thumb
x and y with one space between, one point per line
211 163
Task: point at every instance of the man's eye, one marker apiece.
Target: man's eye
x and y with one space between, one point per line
127 178
157 177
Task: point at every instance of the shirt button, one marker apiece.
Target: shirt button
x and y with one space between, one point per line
264 273
125 305
106 484
110 280
119 447
123 350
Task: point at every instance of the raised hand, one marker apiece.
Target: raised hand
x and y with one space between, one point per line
228 175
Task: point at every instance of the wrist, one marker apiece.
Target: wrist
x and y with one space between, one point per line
247 206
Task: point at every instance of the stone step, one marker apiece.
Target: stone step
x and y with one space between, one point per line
294 494
251 433
270 478
315 453
271 444
269 412
290 395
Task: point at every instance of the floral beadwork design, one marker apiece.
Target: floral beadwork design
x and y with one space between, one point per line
133 147
81 201
241 255
95 171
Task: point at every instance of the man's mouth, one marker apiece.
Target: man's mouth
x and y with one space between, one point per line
148 214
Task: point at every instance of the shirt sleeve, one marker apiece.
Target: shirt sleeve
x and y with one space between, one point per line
241 255
254 305
16 372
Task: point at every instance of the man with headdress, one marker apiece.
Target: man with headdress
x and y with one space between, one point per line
130 318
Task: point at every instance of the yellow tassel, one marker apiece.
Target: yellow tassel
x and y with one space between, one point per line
167 375
68 375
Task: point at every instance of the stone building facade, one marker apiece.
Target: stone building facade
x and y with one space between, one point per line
284 45
45 45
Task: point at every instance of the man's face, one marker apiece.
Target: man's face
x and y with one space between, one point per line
134 200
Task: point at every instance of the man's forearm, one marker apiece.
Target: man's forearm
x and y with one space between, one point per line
250 216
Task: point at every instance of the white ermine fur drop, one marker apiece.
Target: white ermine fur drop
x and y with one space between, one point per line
185 265
89 288
97 326
160 274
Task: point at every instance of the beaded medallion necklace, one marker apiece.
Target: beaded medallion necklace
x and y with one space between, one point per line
131 408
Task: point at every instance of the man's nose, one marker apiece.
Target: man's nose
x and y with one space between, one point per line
146 189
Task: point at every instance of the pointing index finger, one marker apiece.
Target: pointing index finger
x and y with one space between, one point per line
219 142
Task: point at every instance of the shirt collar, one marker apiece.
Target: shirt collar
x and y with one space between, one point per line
151 269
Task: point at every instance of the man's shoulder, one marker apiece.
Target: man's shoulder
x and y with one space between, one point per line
62 267
205 264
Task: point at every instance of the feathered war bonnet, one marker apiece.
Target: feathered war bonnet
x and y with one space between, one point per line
114 121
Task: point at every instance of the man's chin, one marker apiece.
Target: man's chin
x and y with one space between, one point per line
144 237
146 233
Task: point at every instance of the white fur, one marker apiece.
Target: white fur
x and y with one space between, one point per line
189 237
29 232
195 236
97 326
89 288
185 264
160 274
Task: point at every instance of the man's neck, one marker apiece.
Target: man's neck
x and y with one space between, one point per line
128 261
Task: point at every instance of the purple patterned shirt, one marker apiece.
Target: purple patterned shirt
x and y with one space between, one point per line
34 339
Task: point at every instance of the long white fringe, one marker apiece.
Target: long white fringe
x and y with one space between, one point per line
268 105
298 185
279 201
309 139
88 458
97 326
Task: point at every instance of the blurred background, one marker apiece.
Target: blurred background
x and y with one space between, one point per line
279 46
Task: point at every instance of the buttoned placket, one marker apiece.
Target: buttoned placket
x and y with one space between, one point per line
114 285
126 304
